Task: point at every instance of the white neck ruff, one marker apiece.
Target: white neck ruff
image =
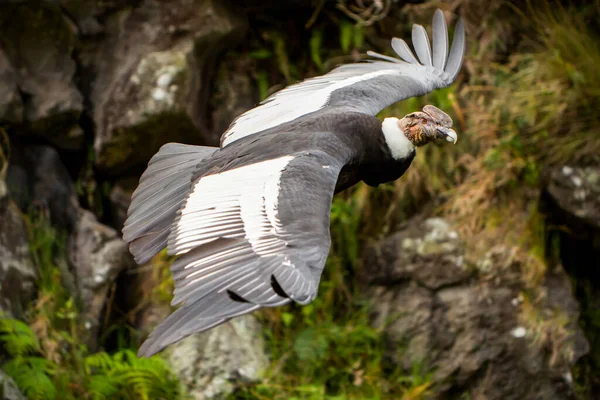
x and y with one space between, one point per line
396 140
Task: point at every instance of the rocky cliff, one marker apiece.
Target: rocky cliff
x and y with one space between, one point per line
475 276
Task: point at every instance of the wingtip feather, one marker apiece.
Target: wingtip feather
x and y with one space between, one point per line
402 49
440 40
457 51
421 44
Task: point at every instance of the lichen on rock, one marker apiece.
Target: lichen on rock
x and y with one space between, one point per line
151 78
468 323
209 364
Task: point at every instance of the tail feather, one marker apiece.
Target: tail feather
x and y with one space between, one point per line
162 189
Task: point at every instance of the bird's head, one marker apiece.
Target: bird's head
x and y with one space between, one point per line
417 129
422 127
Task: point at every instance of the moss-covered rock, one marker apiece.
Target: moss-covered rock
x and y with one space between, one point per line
473 327
39 41
152 76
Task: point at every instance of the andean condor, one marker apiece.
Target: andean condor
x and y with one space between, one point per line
250 220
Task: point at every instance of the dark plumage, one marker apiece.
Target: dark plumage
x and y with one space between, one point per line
250 220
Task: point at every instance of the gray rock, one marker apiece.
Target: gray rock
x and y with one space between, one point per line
96 256
38 41
433 259
467 322
576 190
210 363
86 15
153 76
11 106
37 178
120 197
234 91
8 388
17 287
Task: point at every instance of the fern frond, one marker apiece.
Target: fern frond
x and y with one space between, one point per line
99 362
31 374
131 377
17 338
102 387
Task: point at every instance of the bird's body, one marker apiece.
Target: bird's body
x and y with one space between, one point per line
353 140
250 220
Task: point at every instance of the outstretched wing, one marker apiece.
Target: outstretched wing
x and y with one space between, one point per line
366 87
251 237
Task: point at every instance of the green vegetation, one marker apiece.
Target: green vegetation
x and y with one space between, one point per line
47 358
328 349
523 106
516 117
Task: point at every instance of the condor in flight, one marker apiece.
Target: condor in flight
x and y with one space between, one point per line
249 221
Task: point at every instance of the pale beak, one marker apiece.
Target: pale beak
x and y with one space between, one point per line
449 134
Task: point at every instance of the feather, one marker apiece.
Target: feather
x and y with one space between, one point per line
402 49
162 189
457 51
421 44
440 40
365 87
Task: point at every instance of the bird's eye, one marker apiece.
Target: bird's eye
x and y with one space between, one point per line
424 122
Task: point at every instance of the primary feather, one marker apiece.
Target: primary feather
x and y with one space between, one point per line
249 222
378 83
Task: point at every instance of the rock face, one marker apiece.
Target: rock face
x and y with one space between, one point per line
16 266
96 256
8 389
11 106
572 203
466 322
576 190
211 362
38 178
120 197
150 85
38 42
233 92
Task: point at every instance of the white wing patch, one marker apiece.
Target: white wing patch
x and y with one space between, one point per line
375 90
295 101
239 203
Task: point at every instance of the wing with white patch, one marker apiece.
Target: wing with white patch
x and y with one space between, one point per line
363 87
251 237
162 189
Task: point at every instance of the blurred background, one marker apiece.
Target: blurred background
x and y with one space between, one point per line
475 276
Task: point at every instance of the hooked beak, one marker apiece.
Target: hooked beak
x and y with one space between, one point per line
448 134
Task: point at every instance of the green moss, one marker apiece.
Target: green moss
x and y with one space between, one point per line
134 146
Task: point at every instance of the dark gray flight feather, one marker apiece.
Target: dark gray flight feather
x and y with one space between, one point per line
225 278
162 188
